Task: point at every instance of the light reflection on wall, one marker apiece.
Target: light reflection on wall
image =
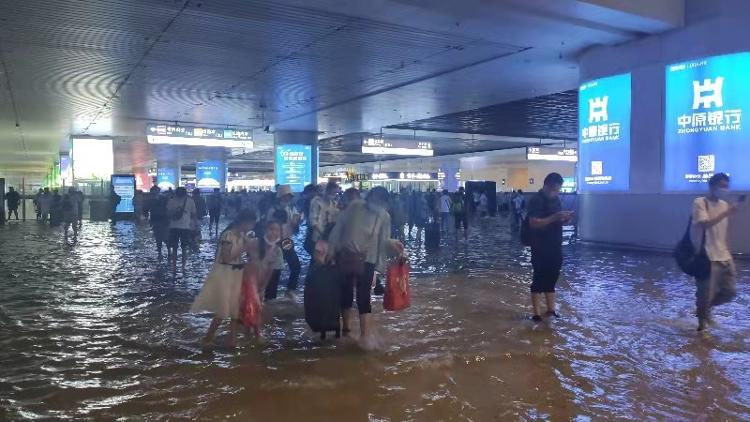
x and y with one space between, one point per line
92 158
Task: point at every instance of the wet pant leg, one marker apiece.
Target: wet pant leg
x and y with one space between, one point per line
292 260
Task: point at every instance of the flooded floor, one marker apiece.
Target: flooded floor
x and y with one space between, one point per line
101 331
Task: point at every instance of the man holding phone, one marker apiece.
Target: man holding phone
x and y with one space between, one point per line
711 218
546 220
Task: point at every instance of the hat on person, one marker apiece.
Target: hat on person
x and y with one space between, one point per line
283 190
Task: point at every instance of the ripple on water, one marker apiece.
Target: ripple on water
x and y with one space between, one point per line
101 330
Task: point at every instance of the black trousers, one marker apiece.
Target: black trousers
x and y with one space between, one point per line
295 267
547 265
272 289
363 285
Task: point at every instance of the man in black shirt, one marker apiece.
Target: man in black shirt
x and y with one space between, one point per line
13 199
546 219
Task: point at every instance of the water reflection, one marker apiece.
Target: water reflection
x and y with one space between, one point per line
100 330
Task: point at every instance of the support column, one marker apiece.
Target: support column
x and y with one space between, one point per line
296 158
450 170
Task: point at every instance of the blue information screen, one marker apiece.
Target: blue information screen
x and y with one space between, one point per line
703 131
209 174
294 166
124 186
604 134
166 178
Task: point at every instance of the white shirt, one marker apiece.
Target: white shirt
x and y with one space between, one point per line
187 216
445 203
717 246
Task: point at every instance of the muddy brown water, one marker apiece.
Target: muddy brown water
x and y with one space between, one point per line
100 331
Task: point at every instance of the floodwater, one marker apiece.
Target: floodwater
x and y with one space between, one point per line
101 331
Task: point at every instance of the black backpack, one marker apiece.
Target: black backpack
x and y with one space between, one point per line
692 262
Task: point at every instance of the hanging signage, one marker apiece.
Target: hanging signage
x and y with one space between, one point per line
703 132
397 147
551 154
404 176
604 134
198 136
293 166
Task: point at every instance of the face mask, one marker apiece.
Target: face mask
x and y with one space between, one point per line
270 241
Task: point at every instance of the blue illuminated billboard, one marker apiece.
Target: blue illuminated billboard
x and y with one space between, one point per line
604 134
703 131
209 174
124 185
294 166
166 178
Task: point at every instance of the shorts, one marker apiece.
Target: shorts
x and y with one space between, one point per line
459 219
183 237
547 267
363 285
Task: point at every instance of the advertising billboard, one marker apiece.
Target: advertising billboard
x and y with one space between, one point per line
124 185
166 178
703 131
604 134
294 166
209 174
93 159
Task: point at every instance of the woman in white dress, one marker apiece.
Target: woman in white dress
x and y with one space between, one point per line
221 292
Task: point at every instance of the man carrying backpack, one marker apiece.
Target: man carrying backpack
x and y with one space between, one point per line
544 228
458 209
711 215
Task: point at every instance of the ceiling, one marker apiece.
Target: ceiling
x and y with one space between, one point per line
338 67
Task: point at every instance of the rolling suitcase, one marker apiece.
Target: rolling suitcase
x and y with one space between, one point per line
323 300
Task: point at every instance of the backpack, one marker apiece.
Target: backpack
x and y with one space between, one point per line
457 207
692 262
180 211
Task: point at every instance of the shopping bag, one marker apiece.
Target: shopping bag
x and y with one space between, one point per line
397 296
251 309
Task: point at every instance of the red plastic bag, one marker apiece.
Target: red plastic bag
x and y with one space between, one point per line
397 296
251 309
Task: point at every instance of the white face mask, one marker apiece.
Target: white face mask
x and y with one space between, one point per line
269 241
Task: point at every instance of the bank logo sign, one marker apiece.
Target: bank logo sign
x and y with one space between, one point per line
704 134
604 134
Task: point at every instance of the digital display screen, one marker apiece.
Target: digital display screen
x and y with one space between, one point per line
93 159
66 170
294 166
397 147
551 154
124 186
703 131
209 174
166 178
604 134
198 136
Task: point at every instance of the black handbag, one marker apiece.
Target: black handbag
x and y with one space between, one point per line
693 262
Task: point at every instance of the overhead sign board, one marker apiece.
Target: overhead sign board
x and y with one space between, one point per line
397 147
198 136
551 154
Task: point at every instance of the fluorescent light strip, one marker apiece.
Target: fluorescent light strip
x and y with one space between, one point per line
198 142
568 158
397 151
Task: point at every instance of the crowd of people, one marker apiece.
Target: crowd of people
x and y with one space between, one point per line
357 235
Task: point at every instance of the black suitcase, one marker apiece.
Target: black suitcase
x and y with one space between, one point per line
323 300
432 235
